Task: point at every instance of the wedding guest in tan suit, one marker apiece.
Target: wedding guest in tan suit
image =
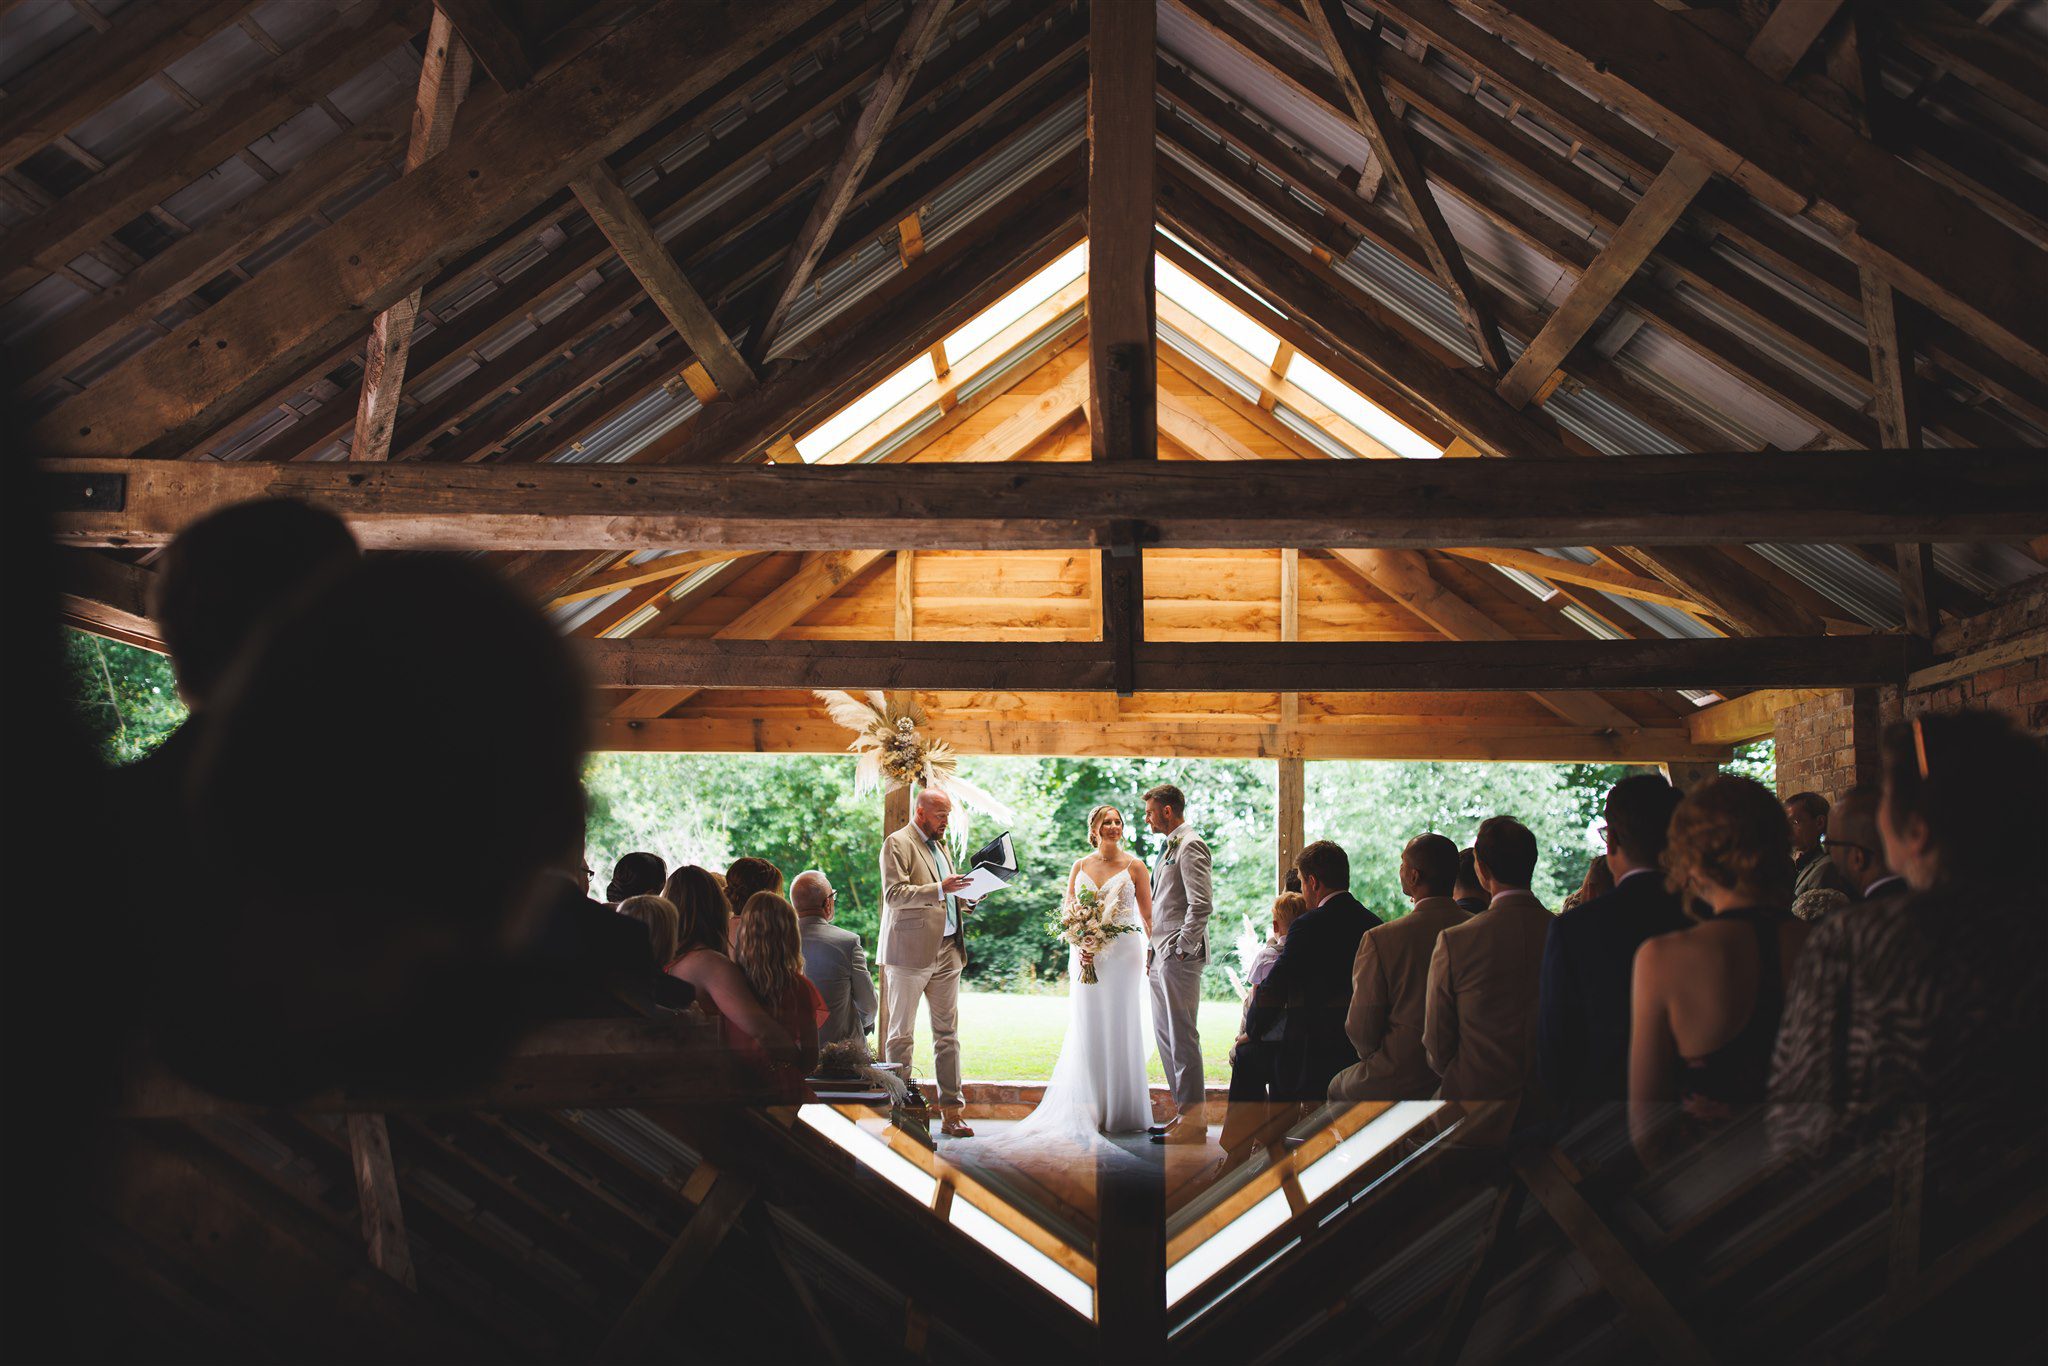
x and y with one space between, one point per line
1390 982
1479 1029
923 948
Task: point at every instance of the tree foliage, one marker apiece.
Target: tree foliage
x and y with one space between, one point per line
126 697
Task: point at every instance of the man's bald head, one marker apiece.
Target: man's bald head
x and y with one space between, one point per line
1853 839
933 808
811 894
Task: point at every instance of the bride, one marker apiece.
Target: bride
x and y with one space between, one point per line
1099 1084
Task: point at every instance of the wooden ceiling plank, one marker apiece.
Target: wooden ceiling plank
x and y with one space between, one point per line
651 263
395 242
1740 498
1350 55
444 80
193 145
92 71
842 182
1924 238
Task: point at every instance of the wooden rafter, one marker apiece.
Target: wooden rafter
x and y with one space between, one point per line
394 242
1351 57
842 182
444 80
193 145
1607 579
1925 239
1363 504
94 70
633 237
1776 49
383 1218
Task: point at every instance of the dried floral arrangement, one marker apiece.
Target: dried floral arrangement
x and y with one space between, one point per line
891 750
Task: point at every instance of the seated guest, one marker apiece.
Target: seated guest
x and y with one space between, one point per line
1708 999
746 877
1931 1003
1470 896
1479 1025
581 961
1253 1055
1310 980
1857 848
1589 958
834 960
315 955
660 919
1807 814
769 952
635 875
722 990
1390 982
1599 881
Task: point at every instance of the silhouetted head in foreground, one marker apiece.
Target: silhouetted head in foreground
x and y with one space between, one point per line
228 572
389 771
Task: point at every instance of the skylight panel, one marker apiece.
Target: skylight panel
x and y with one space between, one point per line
1215 311
867 408
1017 303
1361 412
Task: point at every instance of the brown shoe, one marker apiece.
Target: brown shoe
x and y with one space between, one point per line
1185 1132
953 1126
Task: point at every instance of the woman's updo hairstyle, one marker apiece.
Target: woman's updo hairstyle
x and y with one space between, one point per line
1095 820
1732 832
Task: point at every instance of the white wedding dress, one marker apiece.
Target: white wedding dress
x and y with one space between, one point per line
1099 1085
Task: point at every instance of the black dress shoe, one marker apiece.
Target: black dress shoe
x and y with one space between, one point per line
1157 1129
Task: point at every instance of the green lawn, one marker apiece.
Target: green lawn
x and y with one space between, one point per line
1006 1037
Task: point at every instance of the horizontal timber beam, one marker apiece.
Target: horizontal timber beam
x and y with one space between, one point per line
1430 738
1185 667
1748 717
1886 496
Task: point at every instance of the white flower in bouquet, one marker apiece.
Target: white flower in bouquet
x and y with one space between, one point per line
1085 922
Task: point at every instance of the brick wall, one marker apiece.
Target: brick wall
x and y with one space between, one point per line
1996 660
1829 744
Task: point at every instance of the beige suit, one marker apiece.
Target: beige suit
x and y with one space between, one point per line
918 961
1479 1028
1389 992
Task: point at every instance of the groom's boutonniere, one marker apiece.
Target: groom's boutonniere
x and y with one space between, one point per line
1172 848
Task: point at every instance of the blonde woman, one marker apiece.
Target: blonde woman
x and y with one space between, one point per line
659 916
768 949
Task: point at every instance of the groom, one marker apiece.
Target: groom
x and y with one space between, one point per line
923 947
1180 946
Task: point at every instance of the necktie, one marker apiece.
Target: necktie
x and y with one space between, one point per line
945 866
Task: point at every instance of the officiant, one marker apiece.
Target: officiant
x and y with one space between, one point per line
923 947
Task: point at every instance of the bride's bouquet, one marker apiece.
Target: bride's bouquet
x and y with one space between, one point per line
1088 923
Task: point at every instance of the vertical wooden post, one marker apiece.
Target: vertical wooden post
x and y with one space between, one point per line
906 596
1289 823
369 1144
895 815
1130 1246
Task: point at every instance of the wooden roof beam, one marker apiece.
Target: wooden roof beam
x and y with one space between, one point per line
1950 496
1350 56
1185 667
651 263
1922 237
395 242
1426 738
501 50
444 80
1776 49
842 182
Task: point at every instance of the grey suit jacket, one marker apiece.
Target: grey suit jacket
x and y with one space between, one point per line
1180 900
838 967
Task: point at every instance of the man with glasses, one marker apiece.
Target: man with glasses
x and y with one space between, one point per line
833 959
1857 849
